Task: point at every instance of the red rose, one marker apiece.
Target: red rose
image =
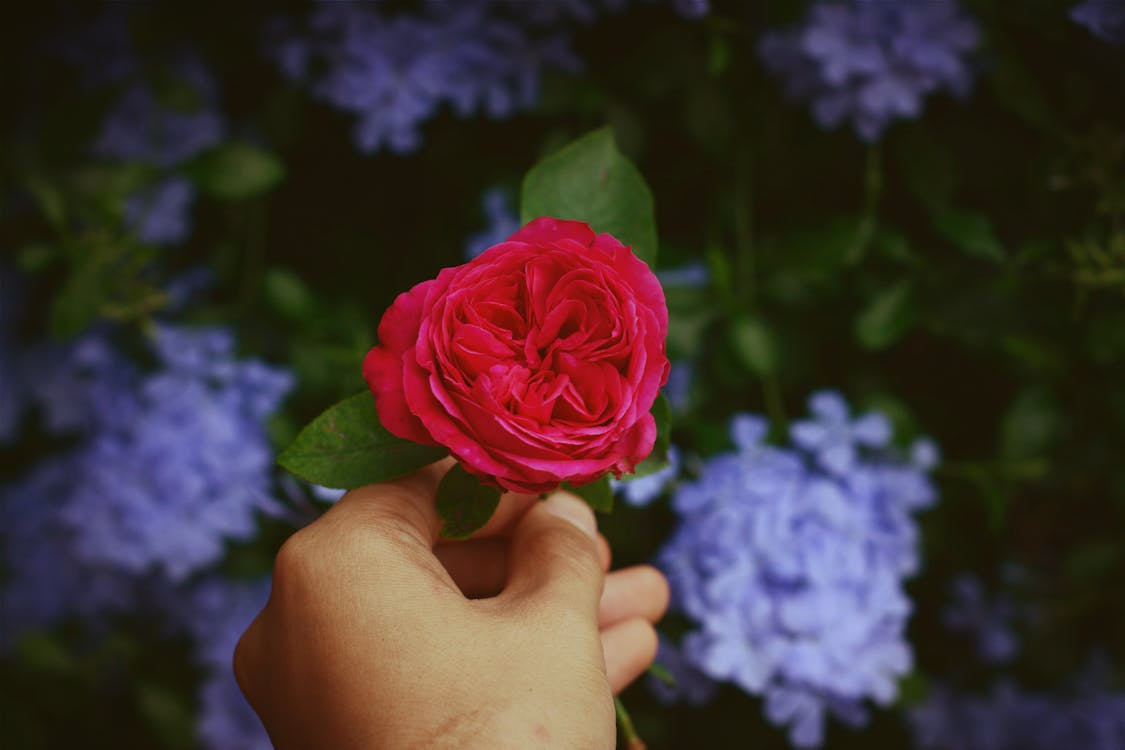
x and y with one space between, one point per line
535 363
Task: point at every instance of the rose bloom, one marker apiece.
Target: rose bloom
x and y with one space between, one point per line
535 363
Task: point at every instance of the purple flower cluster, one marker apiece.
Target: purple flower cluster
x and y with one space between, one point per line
989 620
166 130
165 467
215 612
1104 18
871 63
790 563
1010 718
141 127
395 72
161 121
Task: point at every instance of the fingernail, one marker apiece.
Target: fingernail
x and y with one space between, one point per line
570 508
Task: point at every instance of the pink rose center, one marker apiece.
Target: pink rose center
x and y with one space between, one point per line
544 340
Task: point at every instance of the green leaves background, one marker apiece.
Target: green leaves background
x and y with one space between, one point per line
965 276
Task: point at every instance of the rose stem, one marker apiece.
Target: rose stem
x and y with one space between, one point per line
633 742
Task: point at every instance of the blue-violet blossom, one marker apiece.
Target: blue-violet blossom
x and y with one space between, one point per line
790 563
1104 18
395 72
1009 717
871 63
162 121
215 612
167 465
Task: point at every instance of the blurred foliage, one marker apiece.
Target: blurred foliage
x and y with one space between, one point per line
966 276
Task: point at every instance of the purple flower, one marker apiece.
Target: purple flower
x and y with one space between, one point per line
692 8
161 214
641 491
692 276
143 126
871 63
792 570
1104 18
45 580
226 721
689 684
1011 718
215 612
833 438
503 221
163 115
168 465
988 620
396 72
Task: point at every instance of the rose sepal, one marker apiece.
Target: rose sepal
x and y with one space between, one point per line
464 503
598 494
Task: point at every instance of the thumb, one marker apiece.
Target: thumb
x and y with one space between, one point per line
554 557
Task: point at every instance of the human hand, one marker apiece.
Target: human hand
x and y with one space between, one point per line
374 637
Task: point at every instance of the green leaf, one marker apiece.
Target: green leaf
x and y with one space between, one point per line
591 181
913 689
894 246
286 293
347 447
107 279
690 311
662 673
234 171
971 233
597 494
167 711
46 655
50 199
651 465
754 344
464 504
1031 426
36 256
887 316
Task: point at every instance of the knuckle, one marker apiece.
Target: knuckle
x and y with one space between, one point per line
295 559
570 549
243 660
398 519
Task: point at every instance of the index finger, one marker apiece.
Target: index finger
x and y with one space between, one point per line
407 504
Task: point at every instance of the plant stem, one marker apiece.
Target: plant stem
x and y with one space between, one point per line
628 731
775 406
872 194
745 260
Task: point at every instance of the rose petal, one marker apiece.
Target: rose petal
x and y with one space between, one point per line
383 365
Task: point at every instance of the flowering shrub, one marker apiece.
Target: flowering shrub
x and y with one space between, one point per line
871 63
773 545
912 202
